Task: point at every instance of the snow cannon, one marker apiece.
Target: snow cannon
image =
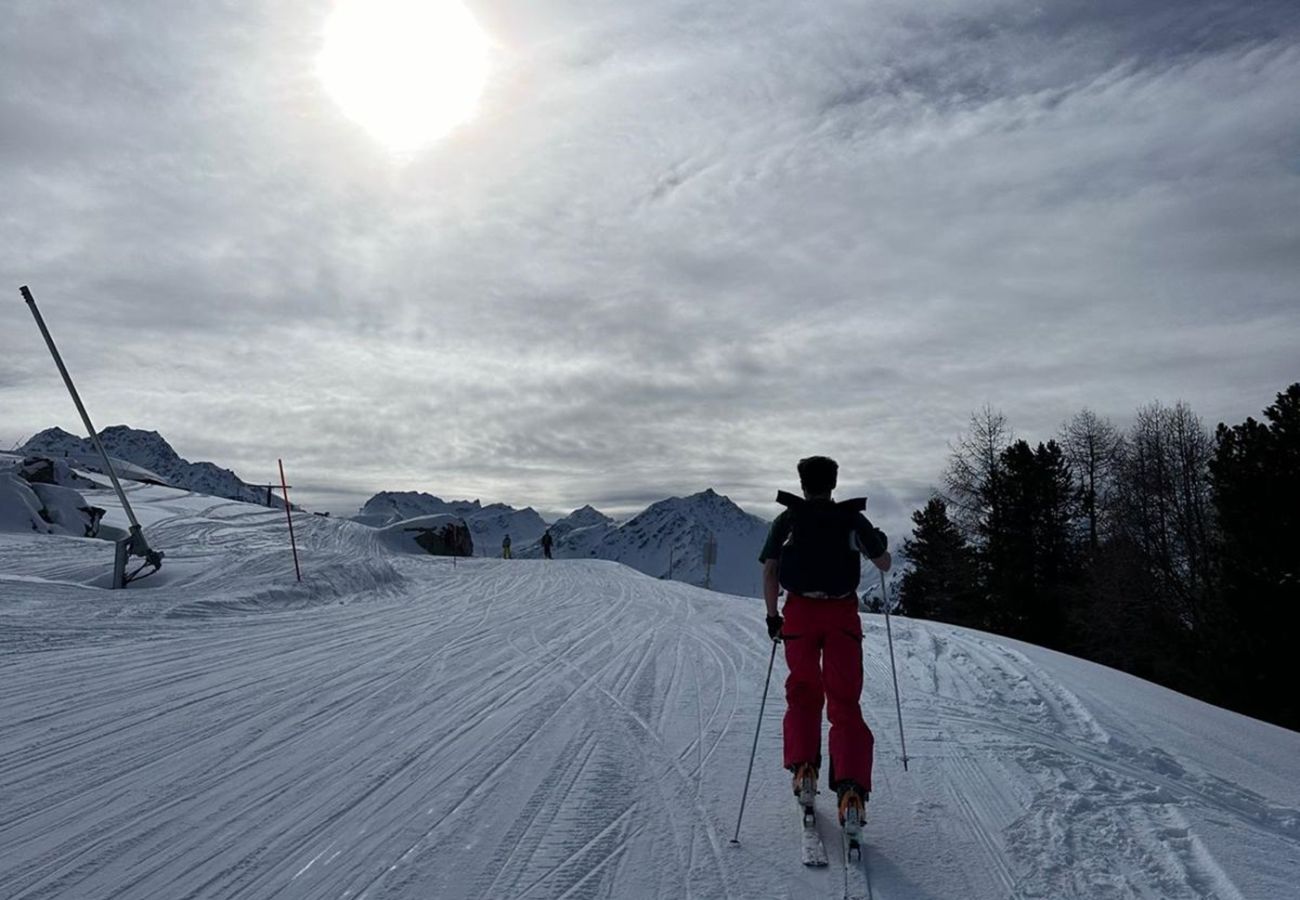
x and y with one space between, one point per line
134 545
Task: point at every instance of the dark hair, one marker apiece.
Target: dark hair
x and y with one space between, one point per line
818 474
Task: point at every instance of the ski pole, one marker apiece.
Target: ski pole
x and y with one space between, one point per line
753 750
898 704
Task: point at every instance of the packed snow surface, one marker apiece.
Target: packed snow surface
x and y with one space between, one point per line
416 727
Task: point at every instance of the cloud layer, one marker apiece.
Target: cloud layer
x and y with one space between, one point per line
681 245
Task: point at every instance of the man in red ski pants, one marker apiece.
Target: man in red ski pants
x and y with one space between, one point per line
813 552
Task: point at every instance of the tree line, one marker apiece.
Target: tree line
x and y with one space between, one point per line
1162 549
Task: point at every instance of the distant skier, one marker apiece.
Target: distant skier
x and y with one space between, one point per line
547 543
813 551
505 547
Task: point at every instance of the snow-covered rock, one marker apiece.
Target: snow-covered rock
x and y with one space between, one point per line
42 507
47 470
67 511
487 524
437 535
20 508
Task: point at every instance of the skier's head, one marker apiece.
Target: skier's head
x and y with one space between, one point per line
817 476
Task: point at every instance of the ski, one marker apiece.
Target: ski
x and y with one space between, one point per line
857 886
857 882
812 851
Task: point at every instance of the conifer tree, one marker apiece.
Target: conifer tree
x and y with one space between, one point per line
1030 544
942 583
1256 482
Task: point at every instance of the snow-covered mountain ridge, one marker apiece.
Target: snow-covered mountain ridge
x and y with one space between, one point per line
666 540
403 726
150 451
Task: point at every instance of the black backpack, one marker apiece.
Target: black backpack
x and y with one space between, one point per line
821 554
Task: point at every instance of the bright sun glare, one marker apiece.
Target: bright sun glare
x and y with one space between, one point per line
408 71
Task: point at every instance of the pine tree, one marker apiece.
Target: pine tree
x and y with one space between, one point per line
942 583
1030 544
1256 483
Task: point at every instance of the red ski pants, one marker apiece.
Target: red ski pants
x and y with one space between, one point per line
823 649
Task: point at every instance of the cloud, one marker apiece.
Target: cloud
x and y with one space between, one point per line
681 246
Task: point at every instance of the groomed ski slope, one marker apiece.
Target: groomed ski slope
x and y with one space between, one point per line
399 727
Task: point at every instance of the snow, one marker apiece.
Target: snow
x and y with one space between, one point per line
66 509
667 540
739 536
583 517
409 726
488 525
405 536
27 507
146 456
20 508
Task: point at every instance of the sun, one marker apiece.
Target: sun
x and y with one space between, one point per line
408 71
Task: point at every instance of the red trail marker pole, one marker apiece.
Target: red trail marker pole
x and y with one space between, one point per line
284 486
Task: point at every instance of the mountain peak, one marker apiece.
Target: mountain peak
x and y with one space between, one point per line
151 452
53 433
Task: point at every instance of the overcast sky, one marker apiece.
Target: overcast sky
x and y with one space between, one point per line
681 245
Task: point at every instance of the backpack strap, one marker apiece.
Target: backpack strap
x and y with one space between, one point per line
791 501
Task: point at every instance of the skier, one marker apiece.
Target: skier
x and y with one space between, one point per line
812 551
505 547
547 542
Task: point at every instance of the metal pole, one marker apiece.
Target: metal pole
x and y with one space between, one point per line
135 545
753 750
284 486
76 398
898 705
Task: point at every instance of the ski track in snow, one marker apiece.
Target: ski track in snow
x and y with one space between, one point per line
402 727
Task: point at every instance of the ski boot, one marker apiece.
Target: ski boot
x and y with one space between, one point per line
805 790
852 804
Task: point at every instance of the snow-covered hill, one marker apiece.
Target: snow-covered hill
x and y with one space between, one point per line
402 726
150 452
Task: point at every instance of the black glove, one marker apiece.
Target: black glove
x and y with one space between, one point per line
774 624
